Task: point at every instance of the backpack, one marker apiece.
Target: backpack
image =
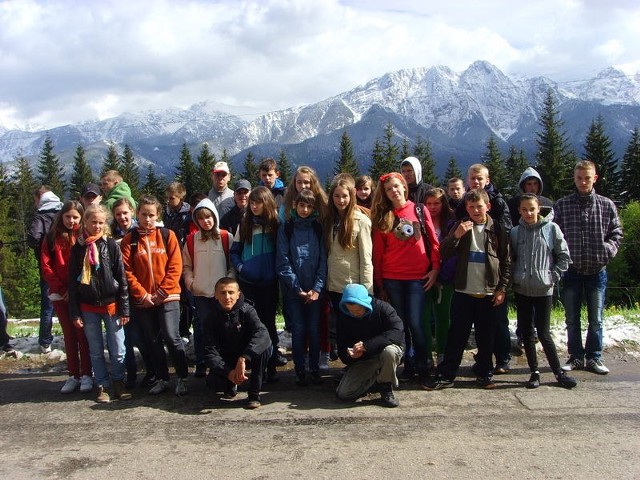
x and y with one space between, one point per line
423 228
224 236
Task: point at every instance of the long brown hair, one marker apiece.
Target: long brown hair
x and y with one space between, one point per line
59 230
345 227
382 208
446 213
291 194
269 214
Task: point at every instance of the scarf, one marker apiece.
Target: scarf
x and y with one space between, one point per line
91 256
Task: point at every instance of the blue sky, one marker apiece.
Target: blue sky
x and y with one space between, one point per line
65 61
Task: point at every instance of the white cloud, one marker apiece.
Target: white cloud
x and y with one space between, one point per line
65 61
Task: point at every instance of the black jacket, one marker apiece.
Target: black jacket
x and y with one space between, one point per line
230 335
381 328
499 209
231 220
40 226
108 283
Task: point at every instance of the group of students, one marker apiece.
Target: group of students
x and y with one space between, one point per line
436 259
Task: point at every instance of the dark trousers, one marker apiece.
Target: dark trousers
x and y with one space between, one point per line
265 301
537 311
134 337
468 311
502 345
220 383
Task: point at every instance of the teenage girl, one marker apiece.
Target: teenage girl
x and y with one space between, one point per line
253 255
437 309
54 259
204 261
402 270
304 178
153 262
97 294
364 191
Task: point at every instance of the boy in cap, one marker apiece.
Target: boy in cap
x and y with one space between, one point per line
90 195
220 191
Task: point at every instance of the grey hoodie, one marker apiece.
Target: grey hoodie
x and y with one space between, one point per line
546 205
540 255
418 190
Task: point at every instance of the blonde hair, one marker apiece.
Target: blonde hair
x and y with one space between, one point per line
92 210
176 188
112 175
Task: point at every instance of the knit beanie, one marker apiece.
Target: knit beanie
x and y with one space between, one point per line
356 293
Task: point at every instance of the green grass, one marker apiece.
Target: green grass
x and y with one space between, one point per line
29 328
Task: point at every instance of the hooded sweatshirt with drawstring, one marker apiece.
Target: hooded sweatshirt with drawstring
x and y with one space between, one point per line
419 189
546 205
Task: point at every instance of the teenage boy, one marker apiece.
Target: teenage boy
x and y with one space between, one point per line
530 182
370 338
593 232
411 170
220 191
269 177
481 279
235 340
478 178
90 195
455 192
115 188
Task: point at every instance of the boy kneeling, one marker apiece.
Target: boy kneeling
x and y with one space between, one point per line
233 337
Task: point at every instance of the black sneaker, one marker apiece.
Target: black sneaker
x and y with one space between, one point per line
148 380
201 371
486 383
501 368
565 380
315 377
437 383
534 380
333 354
426 381
230 392
387 396
573 364
280 360
253 401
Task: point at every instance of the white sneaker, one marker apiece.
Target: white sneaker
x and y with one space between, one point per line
70 385
181 387
158 387
595 365
86 384
324 360
45 349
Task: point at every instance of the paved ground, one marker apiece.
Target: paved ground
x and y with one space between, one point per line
592 431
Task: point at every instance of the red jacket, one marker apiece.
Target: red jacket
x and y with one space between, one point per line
55 265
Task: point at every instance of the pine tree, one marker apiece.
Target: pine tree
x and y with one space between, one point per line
377 167
515 165
631 169
50 170
422 151
405 150
111 161
554 160
284 167
154 185
452 171
130 172
251 169
385 154
347 161
22 187
186 171
82 174
597 148
206 162
492 159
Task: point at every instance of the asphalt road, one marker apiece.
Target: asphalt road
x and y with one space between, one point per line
463 432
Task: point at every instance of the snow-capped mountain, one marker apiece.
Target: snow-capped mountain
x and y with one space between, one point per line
457 111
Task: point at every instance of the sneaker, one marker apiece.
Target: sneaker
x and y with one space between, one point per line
280 360
486 383
70 385
501 368
272 375
315 377
158 387
45 348
181 387
119 391
185 341
426 380
595 365
201 371
324 360
86 384
230 392
534 380
573 364
103 395
301 379
8 348
333 354
437 383
387 396
565 380
253 401
149 380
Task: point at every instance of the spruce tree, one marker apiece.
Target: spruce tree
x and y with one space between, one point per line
405 150
515 164
377 167
130 172
631 169
554 160
82 174
284 167
453 170
347 161
22 187
50 170
251 170
206 162
385 154
492 159
597 148
186 171
111 161
422 151
154 185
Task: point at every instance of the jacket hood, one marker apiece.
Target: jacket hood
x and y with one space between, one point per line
417 168
49 201
208 204
542 219
530 172
358 294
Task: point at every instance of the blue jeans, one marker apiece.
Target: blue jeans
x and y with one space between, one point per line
45 338
304 321
407 297
115 344
575 288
